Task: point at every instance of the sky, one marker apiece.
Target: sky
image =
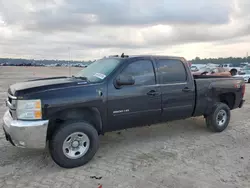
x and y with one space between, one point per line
92 29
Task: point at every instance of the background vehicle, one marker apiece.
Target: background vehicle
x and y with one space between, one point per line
245 75
219 71
69 113
197 67
202 71
233 69
215 71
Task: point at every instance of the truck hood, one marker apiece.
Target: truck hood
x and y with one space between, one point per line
31 86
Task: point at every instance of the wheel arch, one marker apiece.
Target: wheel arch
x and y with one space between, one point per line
228 99
88 114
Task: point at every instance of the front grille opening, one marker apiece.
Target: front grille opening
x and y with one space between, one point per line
10 100
11 113
11 103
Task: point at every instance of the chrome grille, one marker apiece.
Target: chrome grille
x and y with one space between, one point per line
11 102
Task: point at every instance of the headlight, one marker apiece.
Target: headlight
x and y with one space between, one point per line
29 109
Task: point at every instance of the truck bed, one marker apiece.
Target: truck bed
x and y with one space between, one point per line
209 76
208 87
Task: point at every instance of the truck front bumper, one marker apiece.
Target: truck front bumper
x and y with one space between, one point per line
25 134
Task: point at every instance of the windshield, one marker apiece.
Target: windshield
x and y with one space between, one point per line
194 68
204 69
98 70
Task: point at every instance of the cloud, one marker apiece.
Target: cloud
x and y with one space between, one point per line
77 14
92 28
131 13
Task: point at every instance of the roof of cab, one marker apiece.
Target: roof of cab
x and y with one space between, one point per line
152 56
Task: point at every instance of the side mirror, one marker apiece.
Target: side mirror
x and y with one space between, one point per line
125 80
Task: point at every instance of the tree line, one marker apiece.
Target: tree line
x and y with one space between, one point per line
11 61
197 60
233 60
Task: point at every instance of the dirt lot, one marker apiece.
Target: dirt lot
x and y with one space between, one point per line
177 154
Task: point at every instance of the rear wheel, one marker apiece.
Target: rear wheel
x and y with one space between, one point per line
248 80
219 119
233 72
74 144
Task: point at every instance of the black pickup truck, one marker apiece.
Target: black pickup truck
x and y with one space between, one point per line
68 114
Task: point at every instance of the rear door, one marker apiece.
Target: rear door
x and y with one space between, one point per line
138 104
177 89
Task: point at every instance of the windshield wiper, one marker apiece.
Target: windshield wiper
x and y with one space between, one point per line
80 77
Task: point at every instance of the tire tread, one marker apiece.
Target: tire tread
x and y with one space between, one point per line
210 119
58 137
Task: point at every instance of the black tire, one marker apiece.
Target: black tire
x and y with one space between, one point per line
56 144
211 120
233 72
248 80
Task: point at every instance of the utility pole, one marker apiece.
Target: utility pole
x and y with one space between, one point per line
246 57
69 63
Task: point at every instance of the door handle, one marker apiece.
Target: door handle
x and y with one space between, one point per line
153 93
186 89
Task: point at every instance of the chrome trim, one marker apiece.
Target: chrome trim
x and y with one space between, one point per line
172 84
26 134
12 97
82 83
12 107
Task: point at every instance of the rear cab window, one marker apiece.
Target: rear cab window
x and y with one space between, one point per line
171 71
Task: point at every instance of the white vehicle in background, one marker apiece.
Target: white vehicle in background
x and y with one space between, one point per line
212 65
232 69
244 68
244 64
245 75
197 67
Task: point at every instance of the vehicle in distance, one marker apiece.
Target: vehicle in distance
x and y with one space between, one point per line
232 69
197 67
214 71
245 75
69 113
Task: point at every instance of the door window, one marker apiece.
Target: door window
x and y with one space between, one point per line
142 71
171 71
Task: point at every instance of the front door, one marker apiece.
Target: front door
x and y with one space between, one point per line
137 104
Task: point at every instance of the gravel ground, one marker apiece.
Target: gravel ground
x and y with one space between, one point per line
177 154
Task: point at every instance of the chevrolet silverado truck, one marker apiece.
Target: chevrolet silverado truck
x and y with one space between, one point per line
67 114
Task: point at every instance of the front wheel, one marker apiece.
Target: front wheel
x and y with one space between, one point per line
219 118
74 144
